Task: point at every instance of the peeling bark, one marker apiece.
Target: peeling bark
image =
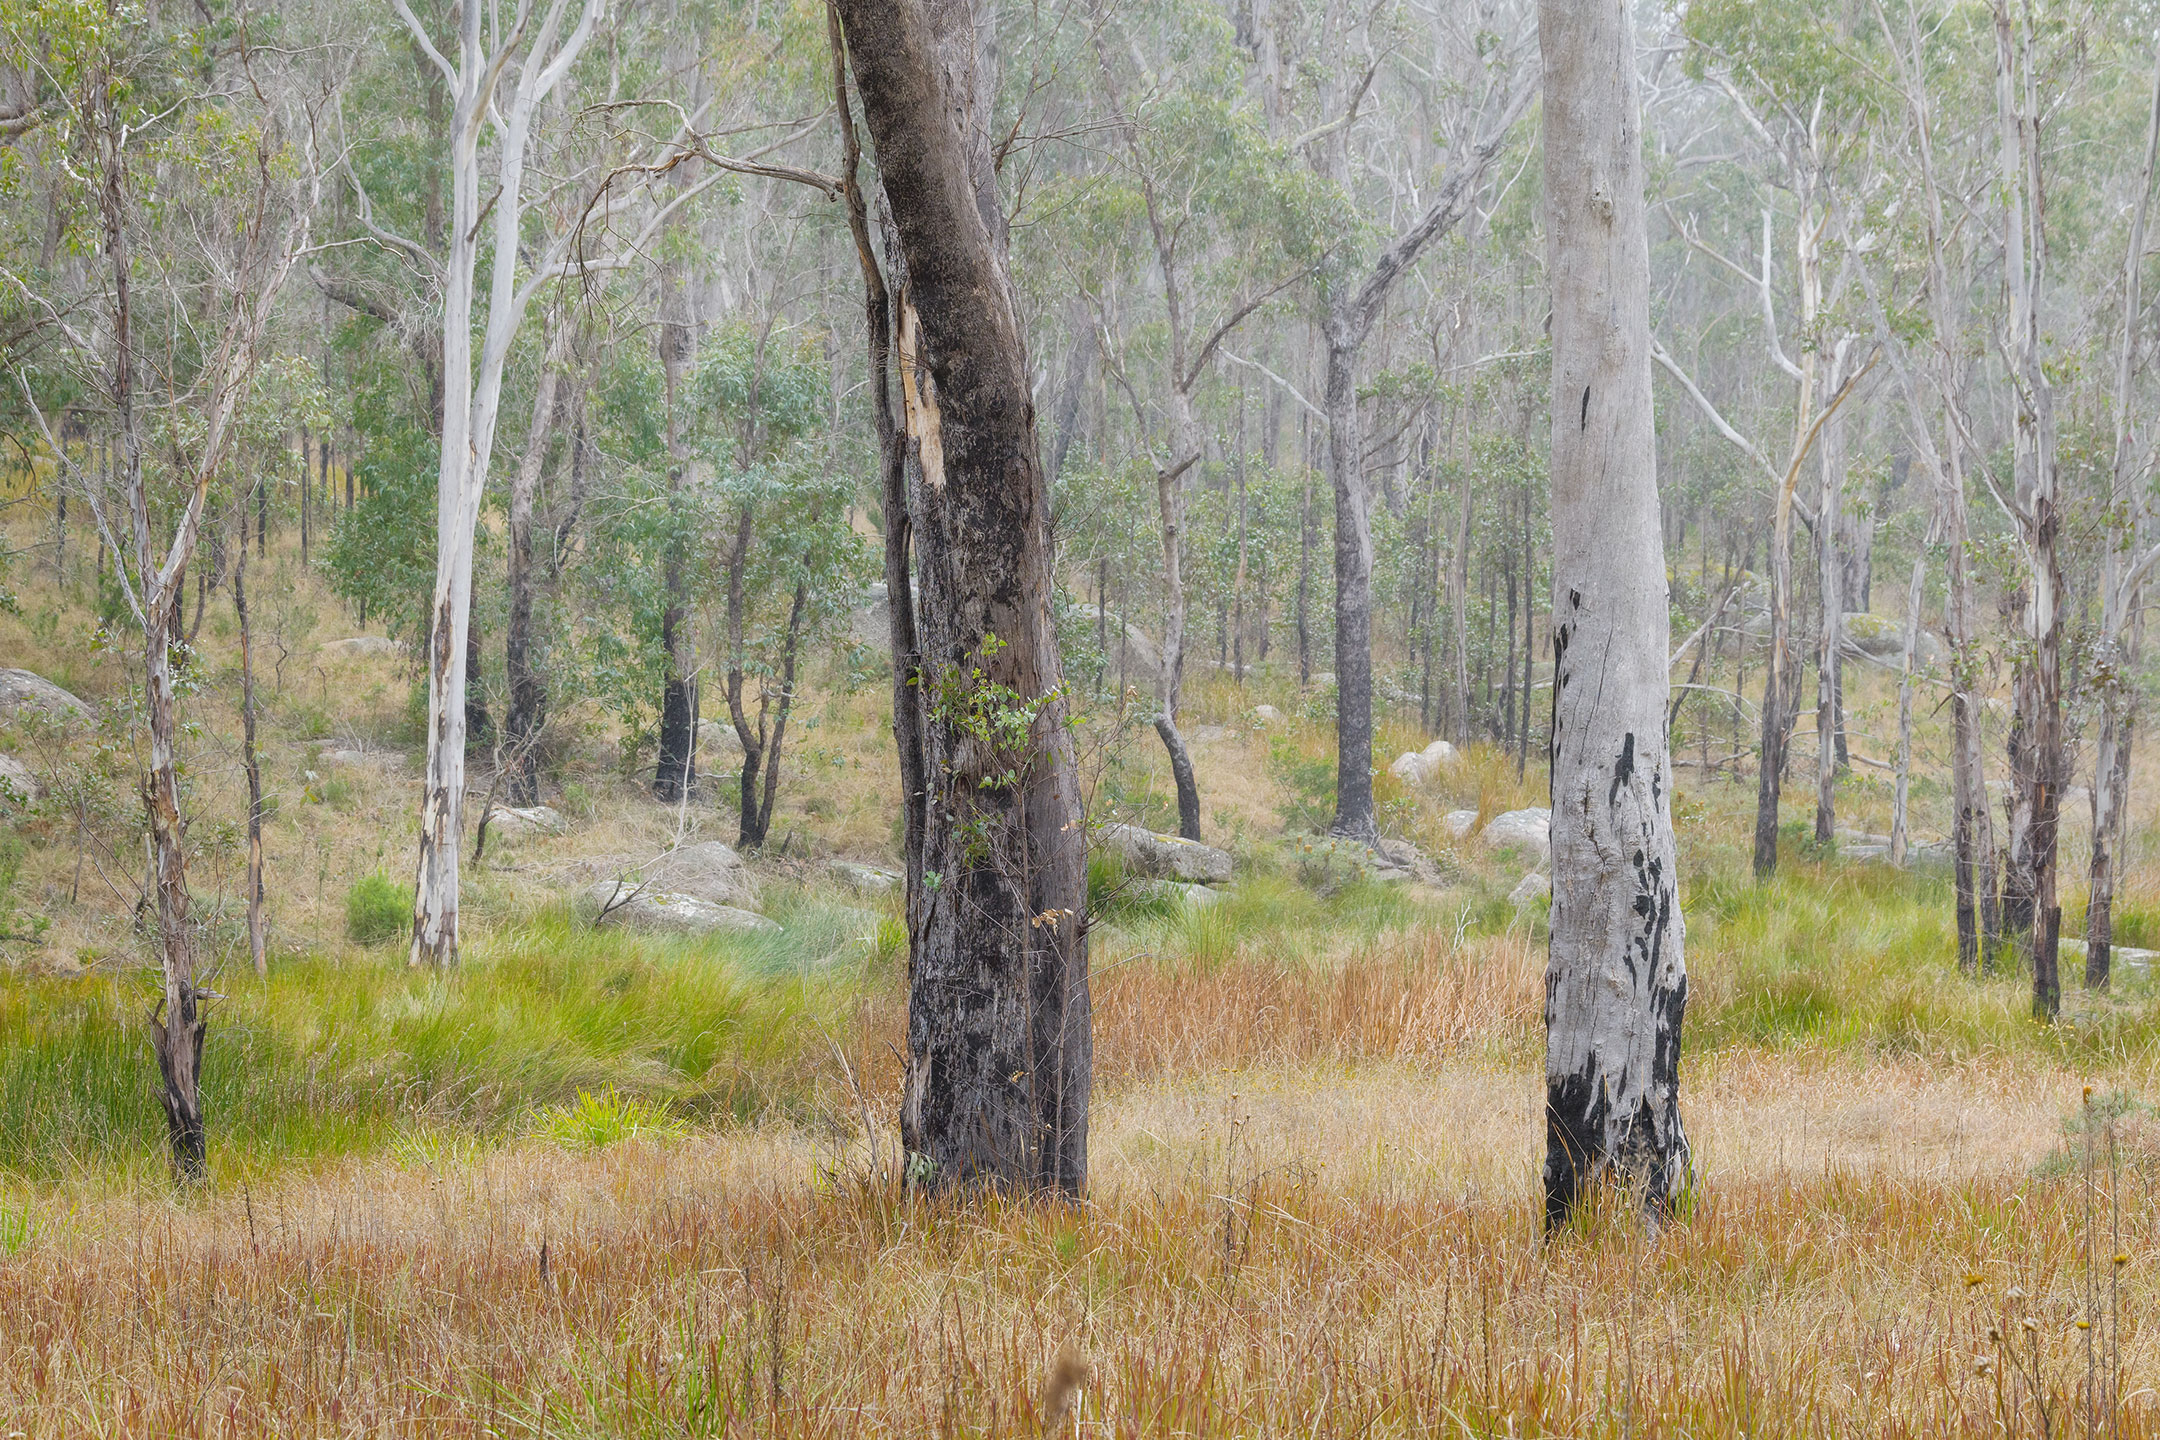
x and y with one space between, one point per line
999 1049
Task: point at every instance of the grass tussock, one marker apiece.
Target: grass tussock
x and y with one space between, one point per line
329 1057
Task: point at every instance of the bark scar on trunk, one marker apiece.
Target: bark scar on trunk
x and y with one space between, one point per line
918 390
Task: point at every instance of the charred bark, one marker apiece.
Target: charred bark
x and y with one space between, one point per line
1616 983
999 1051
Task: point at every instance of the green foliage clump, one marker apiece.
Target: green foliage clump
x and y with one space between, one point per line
1306 771
594 1122
377 909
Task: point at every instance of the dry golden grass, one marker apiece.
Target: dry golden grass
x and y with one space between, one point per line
1266 1252
1314 1150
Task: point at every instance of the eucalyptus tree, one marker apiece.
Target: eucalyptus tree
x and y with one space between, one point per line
1941 190
1616 981
502 74
999 1062
195 190
787 557
1498 87
1228 228
2125 564
2031 914
1808 103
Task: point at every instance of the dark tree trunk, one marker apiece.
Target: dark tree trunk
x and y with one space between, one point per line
1354 816
251 758
883 361
1304 577
999 1047
1354 307
527 715
479 725
761 783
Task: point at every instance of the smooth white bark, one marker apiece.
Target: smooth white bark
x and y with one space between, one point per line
504 85
1616 981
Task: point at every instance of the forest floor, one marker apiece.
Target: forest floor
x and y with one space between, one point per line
603 1184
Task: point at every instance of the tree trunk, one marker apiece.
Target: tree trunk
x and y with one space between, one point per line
2031 914
750 833
754 836
999 1047
2121 621
1777 691
674 771
527 715
1354 818
307 487
470 403
1459 608
1831 576
2111 809
1304 577
253 762
1616 983
1170 504
882 359
1529 638
1900 817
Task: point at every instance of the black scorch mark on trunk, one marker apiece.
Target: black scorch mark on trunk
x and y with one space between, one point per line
1624 771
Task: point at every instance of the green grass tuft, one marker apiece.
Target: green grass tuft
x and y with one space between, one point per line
377 909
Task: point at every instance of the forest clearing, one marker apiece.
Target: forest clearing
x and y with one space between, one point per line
1155 718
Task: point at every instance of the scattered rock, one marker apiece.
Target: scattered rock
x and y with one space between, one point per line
1391 862
1864 852
1881 638
366 645
1266 715
1209 734
707 870
714 738
1166 857
668 912
17 785
1532 888
1526 830
1848 837
867 878
1415 767
1459 823
2121 958
509 822
1197 896
1128 651
23 690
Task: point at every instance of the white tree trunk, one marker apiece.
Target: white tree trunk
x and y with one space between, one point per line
1831 576
470 404
1616 982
